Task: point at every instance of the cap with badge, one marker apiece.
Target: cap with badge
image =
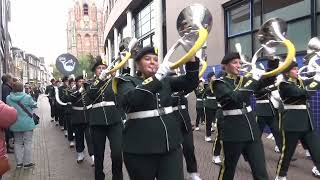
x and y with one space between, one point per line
98 62
229 57
144 51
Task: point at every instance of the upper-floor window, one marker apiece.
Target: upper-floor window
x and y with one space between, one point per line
144 21
244 19
85 9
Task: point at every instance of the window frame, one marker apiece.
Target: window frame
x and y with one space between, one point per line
236 3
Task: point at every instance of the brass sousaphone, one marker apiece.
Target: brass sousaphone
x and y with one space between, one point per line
194 23
271 34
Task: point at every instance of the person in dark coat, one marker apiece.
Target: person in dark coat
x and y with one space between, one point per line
296 121
240 133
80 119
105 122
152 134
6 90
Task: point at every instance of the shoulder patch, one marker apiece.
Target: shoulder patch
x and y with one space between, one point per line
248 83
147 81
96 82
313 84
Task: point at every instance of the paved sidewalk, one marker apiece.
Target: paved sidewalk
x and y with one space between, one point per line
56 161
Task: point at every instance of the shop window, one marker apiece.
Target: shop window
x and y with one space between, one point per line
318 25
299 34
256 14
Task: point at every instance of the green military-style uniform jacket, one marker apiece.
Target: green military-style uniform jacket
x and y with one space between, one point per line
80 105
296 115
199 95
160 133
180 103
233 94
209 99
104 110
264 105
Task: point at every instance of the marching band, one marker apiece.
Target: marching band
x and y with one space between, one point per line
146 118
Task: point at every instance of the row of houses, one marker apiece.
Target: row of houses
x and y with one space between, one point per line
29 68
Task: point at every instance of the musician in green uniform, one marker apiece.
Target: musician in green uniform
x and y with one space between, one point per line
61 107
210 106
180 107
105 121
296 119
240 133
79 118
152 135
50 93
199 104
266 113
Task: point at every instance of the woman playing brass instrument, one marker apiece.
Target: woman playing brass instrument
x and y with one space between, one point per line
152 137
240 133
296 119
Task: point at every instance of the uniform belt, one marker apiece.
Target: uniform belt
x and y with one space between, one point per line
150 113
209 97
234 112
103 103
81 108
287 106
176 108
262 101
199 99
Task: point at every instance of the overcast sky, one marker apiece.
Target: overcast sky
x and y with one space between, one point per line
39 26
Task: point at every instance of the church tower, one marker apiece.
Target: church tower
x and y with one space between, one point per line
85 29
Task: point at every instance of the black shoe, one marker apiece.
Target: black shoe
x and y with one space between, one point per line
19 166
31 165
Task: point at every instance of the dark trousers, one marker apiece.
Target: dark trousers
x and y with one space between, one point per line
255 156
60 114
81 131
210 116
200 116
274 127
8 135
188 152
311 140
114 134
216 148
166 166
69 127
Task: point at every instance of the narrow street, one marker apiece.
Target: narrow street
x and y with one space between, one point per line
56 161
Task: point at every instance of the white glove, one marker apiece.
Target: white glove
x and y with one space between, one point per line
317 76
103 74
163 70
257 73
81 89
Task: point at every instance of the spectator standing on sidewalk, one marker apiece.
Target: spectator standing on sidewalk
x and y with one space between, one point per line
23 127
6 89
